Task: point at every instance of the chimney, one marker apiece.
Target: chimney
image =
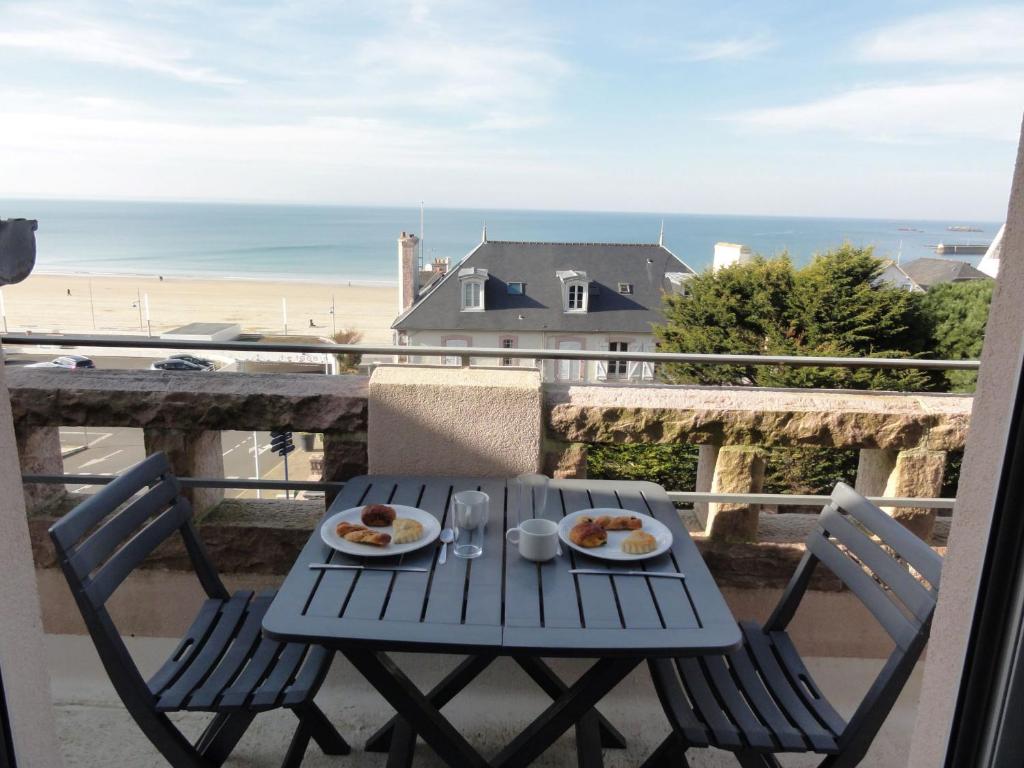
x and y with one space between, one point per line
408 270
440 266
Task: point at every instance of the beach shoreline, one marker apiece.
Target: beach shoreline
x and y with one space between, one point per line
101 303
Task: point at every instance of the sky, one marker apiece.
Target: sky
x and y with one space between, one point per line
876 109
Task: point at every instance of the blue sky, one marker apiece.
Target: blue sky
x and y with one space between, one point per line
892 109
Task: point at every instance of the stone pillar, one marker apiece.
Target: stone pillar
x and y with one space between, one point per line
707 456
22 651
565 460
874 468
480 422
192 453
918 472
40 454
739 469
344 458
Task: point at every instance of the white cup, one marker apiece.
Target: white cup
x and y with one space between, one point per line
537 539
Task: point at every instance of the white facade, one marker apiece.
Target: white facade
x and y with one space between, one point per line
727 254
567 371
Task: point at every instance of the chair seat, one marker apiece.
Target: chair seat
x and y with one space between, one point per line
224 663
759 697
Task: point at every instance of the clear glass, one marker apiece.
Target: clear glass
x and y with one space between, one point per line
469 520
533 495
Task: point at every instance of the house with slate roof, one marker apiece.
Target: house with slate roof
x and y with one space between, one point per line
570 296
921 274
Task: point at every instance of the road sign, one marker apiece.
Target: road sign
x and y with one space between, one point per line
281 443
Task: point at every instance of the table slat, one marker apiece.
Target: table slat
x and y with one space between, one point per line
597 598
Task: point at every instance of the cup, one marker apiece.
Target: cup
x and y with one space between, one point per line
537 539
469 519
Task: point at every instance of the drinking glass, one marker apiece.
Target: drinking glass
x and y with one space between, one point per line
469 519
533 495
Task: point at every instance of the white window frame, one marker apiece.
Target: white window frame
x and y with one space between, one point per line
626 289
520 292
468 284
618 369
508 342
583 294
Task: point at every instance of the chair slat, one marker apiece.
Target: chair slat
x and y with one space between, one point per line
674 702
241 650
782 692
894 575
287 664
314 670
69 530
785 734
131 555
725 733
739 710
228 622
804 683
916 552
899 627
95 549
237 694
187 648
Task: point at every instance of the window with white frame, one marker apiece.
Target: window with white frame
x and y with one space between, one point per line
626 289
576 299
516 289
575 290
508 342
472 296
618 367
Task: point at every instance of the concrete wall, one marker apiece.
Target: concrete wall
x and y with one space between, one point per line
983 462
25 680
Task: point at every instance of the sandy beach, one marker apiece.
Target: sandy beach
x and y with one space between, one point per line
109 304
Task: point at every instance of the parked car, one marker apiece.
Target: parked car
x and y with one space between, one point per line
72 362
176 365
200 361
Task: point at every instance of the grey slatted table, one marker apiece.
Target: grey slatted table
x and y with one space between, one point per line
502 605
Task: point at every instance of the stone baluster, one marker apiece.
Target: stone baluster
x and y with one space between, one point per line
39 452
914 472
738 469
192 453
707 456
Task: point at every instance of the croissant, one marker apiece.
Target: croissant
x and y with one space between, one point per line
588 535
378 515
345 528
620 523
373 538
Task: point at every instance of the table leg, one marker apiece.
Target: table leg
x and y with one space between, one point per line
553 686
564 712
423 716
439 695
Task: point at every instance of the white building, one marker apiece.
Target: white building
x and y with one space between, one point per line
728 254
570 296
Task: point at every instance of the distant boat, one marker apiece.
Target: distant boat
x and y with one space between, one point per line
964 228
908 229
961 249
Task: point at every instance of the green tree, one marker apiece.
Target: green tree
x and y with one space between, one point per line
956 314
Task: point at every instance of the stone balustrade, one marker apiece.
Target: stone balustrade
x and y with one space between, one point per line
903 438
184 415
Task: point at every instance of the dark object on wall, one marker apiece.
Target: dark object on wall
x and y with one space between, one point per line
17 249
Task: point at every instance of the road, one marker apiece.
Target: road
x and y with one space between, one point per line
111 450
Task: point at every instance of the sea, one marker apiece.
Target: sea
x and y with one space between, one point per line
358 244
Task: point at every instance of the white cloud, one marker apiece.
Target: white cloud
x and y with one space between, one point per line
992 34
730 48
45 31
986 107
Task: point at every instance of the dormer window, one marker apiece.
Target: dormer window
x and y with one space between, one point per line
678 281
471 282
575 290
516 289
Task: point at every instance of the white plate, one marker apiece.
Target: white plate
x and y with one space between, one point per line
612 550
431 530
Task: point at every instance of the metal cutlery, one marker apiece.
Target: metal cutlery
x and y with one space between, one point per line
340 567
656 574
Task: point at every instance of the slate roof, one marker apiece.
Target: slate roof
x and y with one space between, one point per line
540 306
927 272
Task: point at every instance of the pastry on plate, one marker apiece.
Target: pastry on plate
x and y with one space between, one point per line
620 523
378 515
366 536
405 529
588 535
344 528
639 543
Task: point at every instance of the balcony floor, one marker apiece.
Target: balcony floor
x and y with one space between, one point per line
96 731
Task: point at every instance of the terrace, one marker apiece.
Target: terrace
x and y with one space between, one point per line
489 422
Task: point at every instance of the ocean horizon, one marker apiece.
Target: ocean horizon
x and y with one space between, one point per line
358 243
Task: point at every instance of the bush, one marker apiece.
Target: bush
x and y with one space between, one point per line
674 467
349 361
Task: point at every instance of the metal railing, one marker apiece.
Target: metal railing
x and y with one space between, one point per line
465 353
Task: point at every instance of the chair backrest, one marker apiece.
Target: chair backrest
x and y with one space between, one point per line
106 537
893 573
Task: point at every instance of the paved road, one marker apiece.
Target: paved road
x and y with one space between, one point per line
112 450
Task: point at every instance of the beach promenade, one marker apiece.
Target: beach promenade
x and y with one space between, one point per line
106 304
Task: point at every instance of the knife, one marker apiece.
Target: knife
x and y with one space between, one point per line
339 567
596 572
